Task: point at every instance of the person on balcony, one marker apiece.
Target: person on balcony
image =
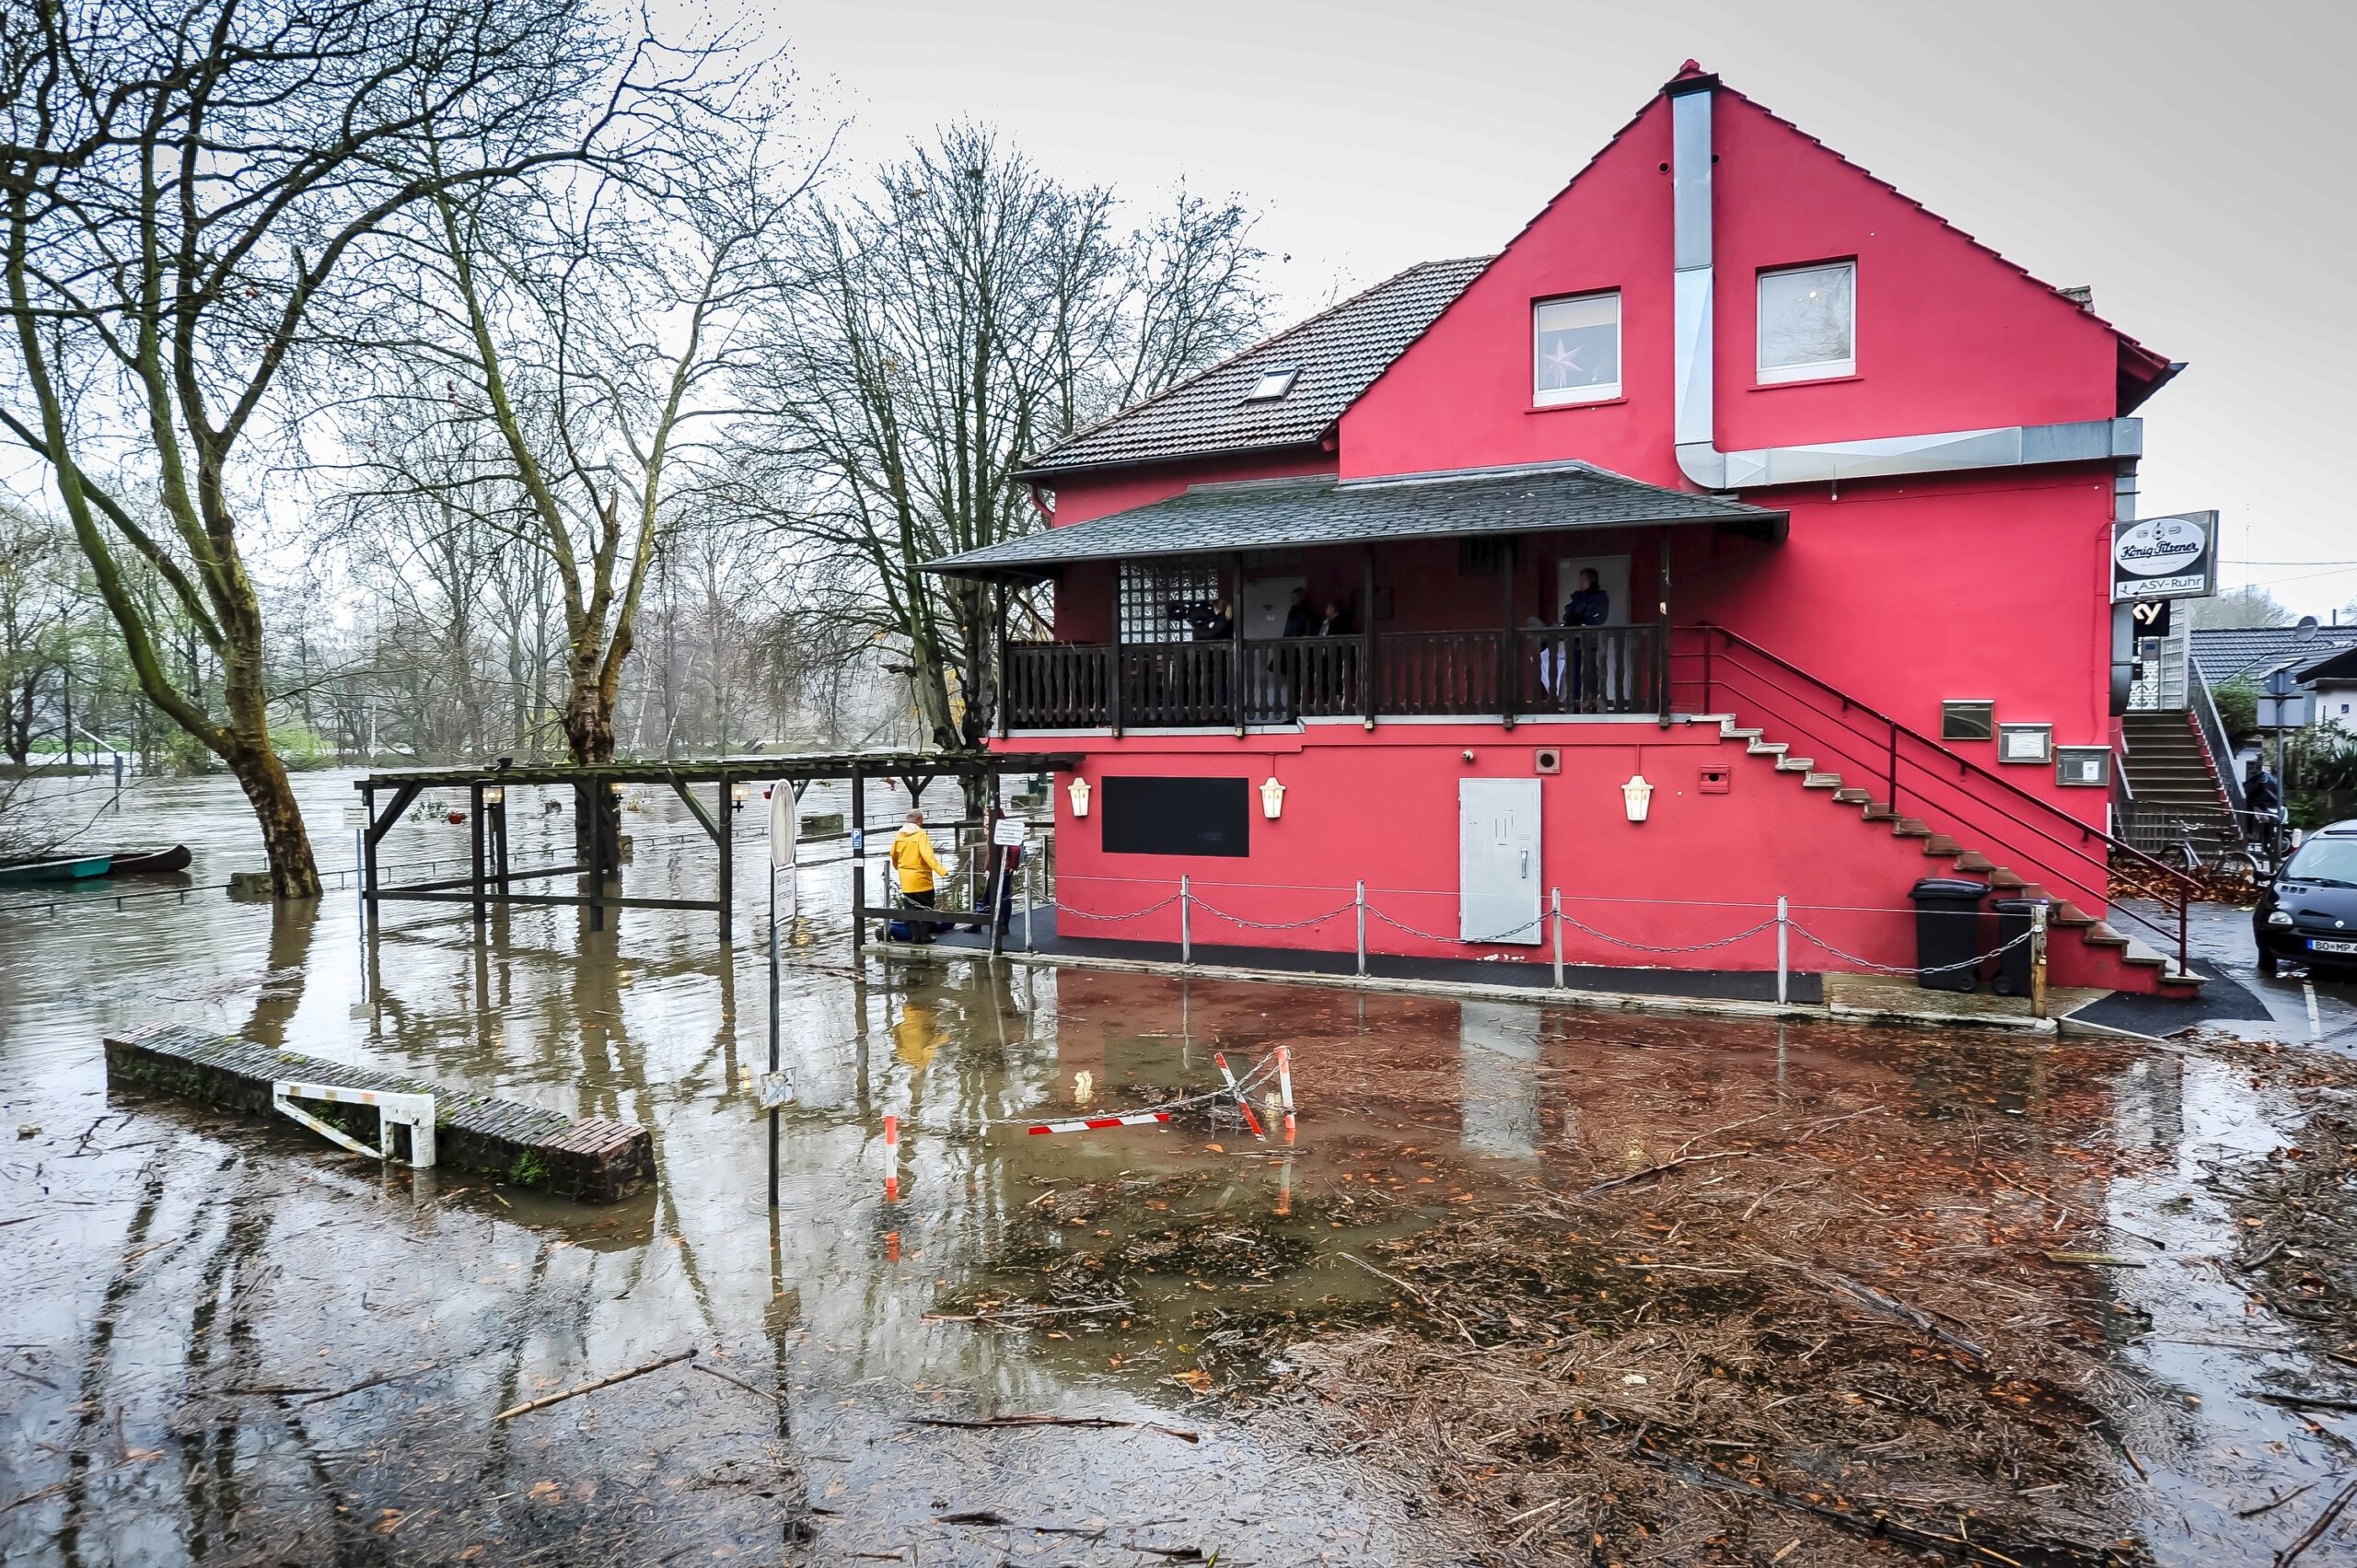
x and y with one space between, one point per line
1588 606
1332 621
1299 620
919 869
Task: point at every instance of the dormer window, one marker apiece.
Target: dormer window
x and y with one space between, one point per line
1808 322
1273 384
1575 349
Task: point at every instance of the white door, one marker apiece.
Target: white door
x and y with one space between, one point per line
1497 861
1266 600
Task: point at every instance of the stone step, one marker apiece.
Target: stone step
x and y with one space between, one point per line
1733 732
1940 844
1910 828
1973 860
1876 811
2066 913
592 1160
2101 935
1767 747
1822 780
2005 881
1850 794
1790 764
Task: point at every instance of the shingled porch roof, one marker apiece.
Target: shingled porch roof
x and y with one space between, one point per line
1287 513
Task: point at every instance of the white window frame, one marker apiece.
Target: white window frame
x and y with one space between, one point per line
1816 370
1602 391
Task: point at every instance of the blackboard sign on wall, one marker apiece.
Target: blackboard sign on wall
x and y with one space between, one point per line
1156 815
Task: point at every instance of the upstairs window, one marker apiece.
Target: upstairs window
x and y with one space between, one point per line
1808 322
1273 384
1575 349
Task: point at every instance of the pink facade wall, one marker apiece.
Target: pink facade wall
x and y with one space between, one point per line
1382 807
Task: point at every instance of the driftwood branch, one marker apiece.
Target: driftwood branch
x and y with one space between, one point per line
655 1366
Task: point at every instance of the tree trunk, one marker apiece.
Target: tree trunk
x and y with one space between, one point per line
293 873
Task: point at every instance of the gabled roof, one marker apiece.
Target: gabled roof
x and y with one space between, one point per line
2338 667
2224 652
1279 514
1336 356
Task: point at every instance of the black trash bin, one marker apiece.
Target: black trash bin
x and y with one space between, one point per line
2012 936
1947 931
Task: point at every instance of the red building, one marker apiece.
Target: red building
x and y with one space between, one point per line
1846 479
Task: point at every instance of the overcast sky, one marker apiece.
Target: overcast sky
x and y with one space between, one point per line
2190 162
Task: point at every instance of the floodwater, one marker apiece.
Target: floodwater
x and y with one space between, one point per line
228 1342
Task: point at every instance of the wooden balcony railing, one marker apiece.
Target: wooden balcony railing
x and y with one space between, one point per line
1501 675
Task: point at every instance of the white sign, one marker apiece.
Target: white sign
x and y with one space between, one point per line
2173 557
1007 832
785 828
355 816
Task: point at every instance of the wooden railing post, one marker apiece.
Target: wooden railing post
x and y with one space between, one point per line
1367 642
1113 662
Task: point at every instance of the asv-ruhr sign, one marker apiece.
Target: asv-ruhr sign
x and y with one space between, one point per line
2172 557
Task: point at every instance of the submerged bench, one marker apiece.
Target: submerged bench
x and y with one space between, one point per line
591 1160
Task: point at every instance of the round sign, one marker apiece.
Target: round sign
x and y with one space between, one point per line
2160 547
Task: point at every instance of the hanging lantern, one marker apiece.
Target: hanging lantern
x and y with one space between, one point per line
1272 799
1638 795
494 794
1079 795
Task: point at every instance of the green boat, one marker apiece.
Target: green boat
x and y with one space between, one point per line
26 872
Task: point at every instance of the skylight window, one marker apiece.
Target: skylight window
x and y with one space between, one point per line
1273 384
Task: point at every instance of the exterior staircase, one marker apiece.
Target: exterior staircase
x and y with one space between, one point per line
1944 856
2171 779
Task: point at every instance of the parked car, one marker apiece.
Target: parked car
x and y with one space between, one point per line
2308 913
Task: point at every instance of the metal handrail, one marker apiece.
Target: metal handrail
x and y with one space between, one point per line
2213 733
2183 885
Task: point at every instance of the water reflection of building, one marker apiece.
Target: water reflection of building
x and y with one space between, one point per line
1498 1079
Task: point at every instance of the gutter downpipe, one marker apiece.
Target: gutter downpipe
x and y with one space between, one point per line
1698 456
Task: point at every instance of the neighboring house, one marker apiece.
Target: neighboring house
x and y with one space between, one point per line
2253 653
2333 680
1844 479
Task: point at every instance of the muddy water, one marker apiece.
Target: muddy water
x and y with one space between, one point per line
227 1343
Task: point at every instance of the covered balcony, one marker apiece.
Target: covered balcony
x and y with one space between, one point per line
1292 601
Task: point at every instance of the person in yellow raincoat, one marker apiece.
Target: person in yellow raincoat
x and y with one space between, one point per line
919 869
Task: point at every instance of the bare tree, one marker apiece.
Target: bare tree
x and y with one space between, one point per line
195 198
586 326
934 332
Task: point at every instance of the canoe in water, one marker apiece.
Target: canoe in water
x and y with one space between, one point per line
147 861
72 870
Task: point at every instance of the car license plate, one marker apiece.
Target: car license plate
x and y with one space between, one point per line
2318 945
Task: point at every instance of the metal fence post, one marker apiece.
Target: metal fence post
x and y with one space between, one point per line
1784 950
1555 910
1186 933
1358 901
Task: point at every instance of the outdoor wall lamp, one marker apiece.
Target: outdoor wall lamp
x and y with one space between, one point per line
1079 795
1272 799
1637 795
494 794
738 793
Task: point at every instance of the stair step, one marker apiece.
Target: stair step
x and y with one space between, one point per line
1940 844
1789 764
2005 881
1767 747
1853 795
1732 732
1908 828
1876 811
1973 860
2101 935
2069 915
1823 781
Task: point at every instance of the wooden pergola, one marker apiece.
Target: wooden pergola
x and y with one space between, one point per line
491 881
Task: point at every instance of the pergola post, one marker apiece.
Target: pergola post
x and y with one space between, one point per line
599 794
727 858
475 848
858 864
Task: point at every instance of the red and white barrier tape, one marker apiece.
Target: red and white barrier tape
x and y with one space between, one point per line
1094 1122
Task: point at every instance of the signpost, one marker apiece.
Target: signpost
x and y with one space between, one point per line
355 816
785 828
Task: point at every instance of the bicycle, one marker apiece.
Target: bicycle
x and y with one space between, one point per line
2183 853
